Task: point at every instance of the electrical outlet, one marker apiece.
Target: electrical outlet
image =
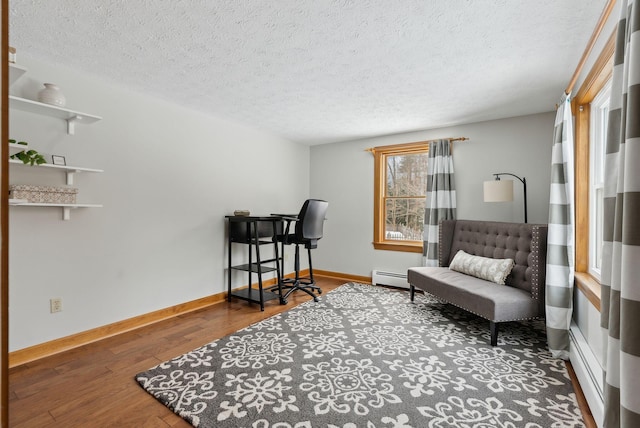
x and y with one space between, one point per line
56 305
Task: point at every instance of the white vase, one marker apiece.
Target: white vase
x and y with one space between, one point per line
51 94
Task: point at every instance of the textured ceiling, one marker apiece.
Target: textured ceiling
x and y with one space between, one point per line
319 71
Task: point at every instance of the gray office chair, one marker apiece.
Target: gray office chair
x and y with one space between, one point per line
308 231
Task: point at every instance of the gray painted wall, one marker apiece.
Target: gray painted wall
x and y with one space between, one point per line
342 173
171 175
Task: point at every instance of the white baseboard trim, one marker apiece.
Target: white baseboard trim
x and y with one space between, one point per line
588 371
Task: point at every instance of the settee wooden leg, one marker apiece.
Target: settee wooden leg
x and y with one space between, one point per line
493 326
412 291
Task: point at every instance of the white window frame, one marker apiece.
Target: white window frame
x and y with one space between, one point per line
597 142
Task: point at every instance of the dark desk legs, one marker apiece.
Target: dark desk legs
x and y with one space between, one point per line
253 239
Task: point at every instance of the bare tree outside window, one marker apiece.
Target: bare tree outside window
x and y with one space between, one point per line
404 198
400 187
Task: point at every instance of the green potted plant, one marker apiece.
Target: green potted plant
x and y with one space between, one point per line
31 157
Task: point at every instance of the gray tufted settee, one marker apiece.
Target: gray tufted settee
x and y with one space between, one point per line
522 296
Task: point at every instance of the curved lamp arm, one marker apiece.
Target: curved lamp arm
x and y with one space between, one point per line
524 183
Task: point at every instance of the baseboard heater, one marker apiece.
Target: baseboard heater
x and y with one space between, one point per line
588 371
393 279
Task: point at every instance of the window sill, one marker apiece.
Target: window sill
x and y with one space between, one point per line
590 287
399 246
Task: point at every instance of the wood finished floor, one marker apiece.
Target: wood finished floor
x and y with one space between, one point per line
94 386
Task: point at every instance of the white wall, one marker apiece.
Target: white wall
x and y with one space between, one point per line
171 175
342 174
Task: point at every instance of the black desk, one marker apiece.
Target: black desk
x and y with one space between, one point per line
255 231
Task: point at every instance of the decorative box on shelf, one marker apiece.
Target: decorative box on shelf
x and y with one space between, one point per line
44 194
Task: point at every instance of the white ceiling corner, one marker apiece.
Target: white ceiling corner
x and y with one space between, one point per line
320 71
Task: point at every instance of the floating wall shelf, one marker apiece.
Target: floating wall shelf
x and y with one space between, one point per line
72 117
66 208
15 72
70 170
15 148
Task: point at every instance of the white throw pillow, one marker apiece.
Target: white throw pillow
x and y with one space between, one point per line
494 270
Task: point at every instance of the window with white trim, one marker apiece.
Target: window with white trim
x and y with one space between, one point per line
597 135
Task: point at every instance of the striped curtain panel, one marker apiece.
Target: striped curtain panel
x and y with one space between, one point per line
620 275
560 238
441 198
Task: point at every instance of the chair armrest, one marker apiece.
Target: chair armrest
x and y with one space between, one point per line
289 218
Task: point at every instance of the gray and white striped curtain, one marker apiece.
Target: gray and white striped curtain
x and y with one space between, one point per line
441 197
560 239
620 275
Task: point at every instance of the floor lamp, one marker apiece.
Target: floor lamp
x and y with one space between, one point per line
502 191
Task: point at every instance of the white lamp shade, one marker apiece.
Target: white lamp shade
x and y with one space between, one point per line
498 191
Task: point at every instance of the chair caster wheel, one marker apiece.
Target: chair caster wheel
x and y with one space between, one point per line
315 299
319 291
283 301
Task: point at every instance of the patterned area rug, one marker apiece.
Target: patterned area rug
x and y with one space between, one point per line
365 356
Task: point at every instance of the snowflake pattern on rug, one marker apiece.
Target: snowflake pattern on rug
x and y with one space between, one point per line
257 350
366 356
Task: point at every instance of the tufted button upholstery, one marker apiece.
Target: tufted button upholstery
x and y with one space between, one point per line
496 240
522 296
